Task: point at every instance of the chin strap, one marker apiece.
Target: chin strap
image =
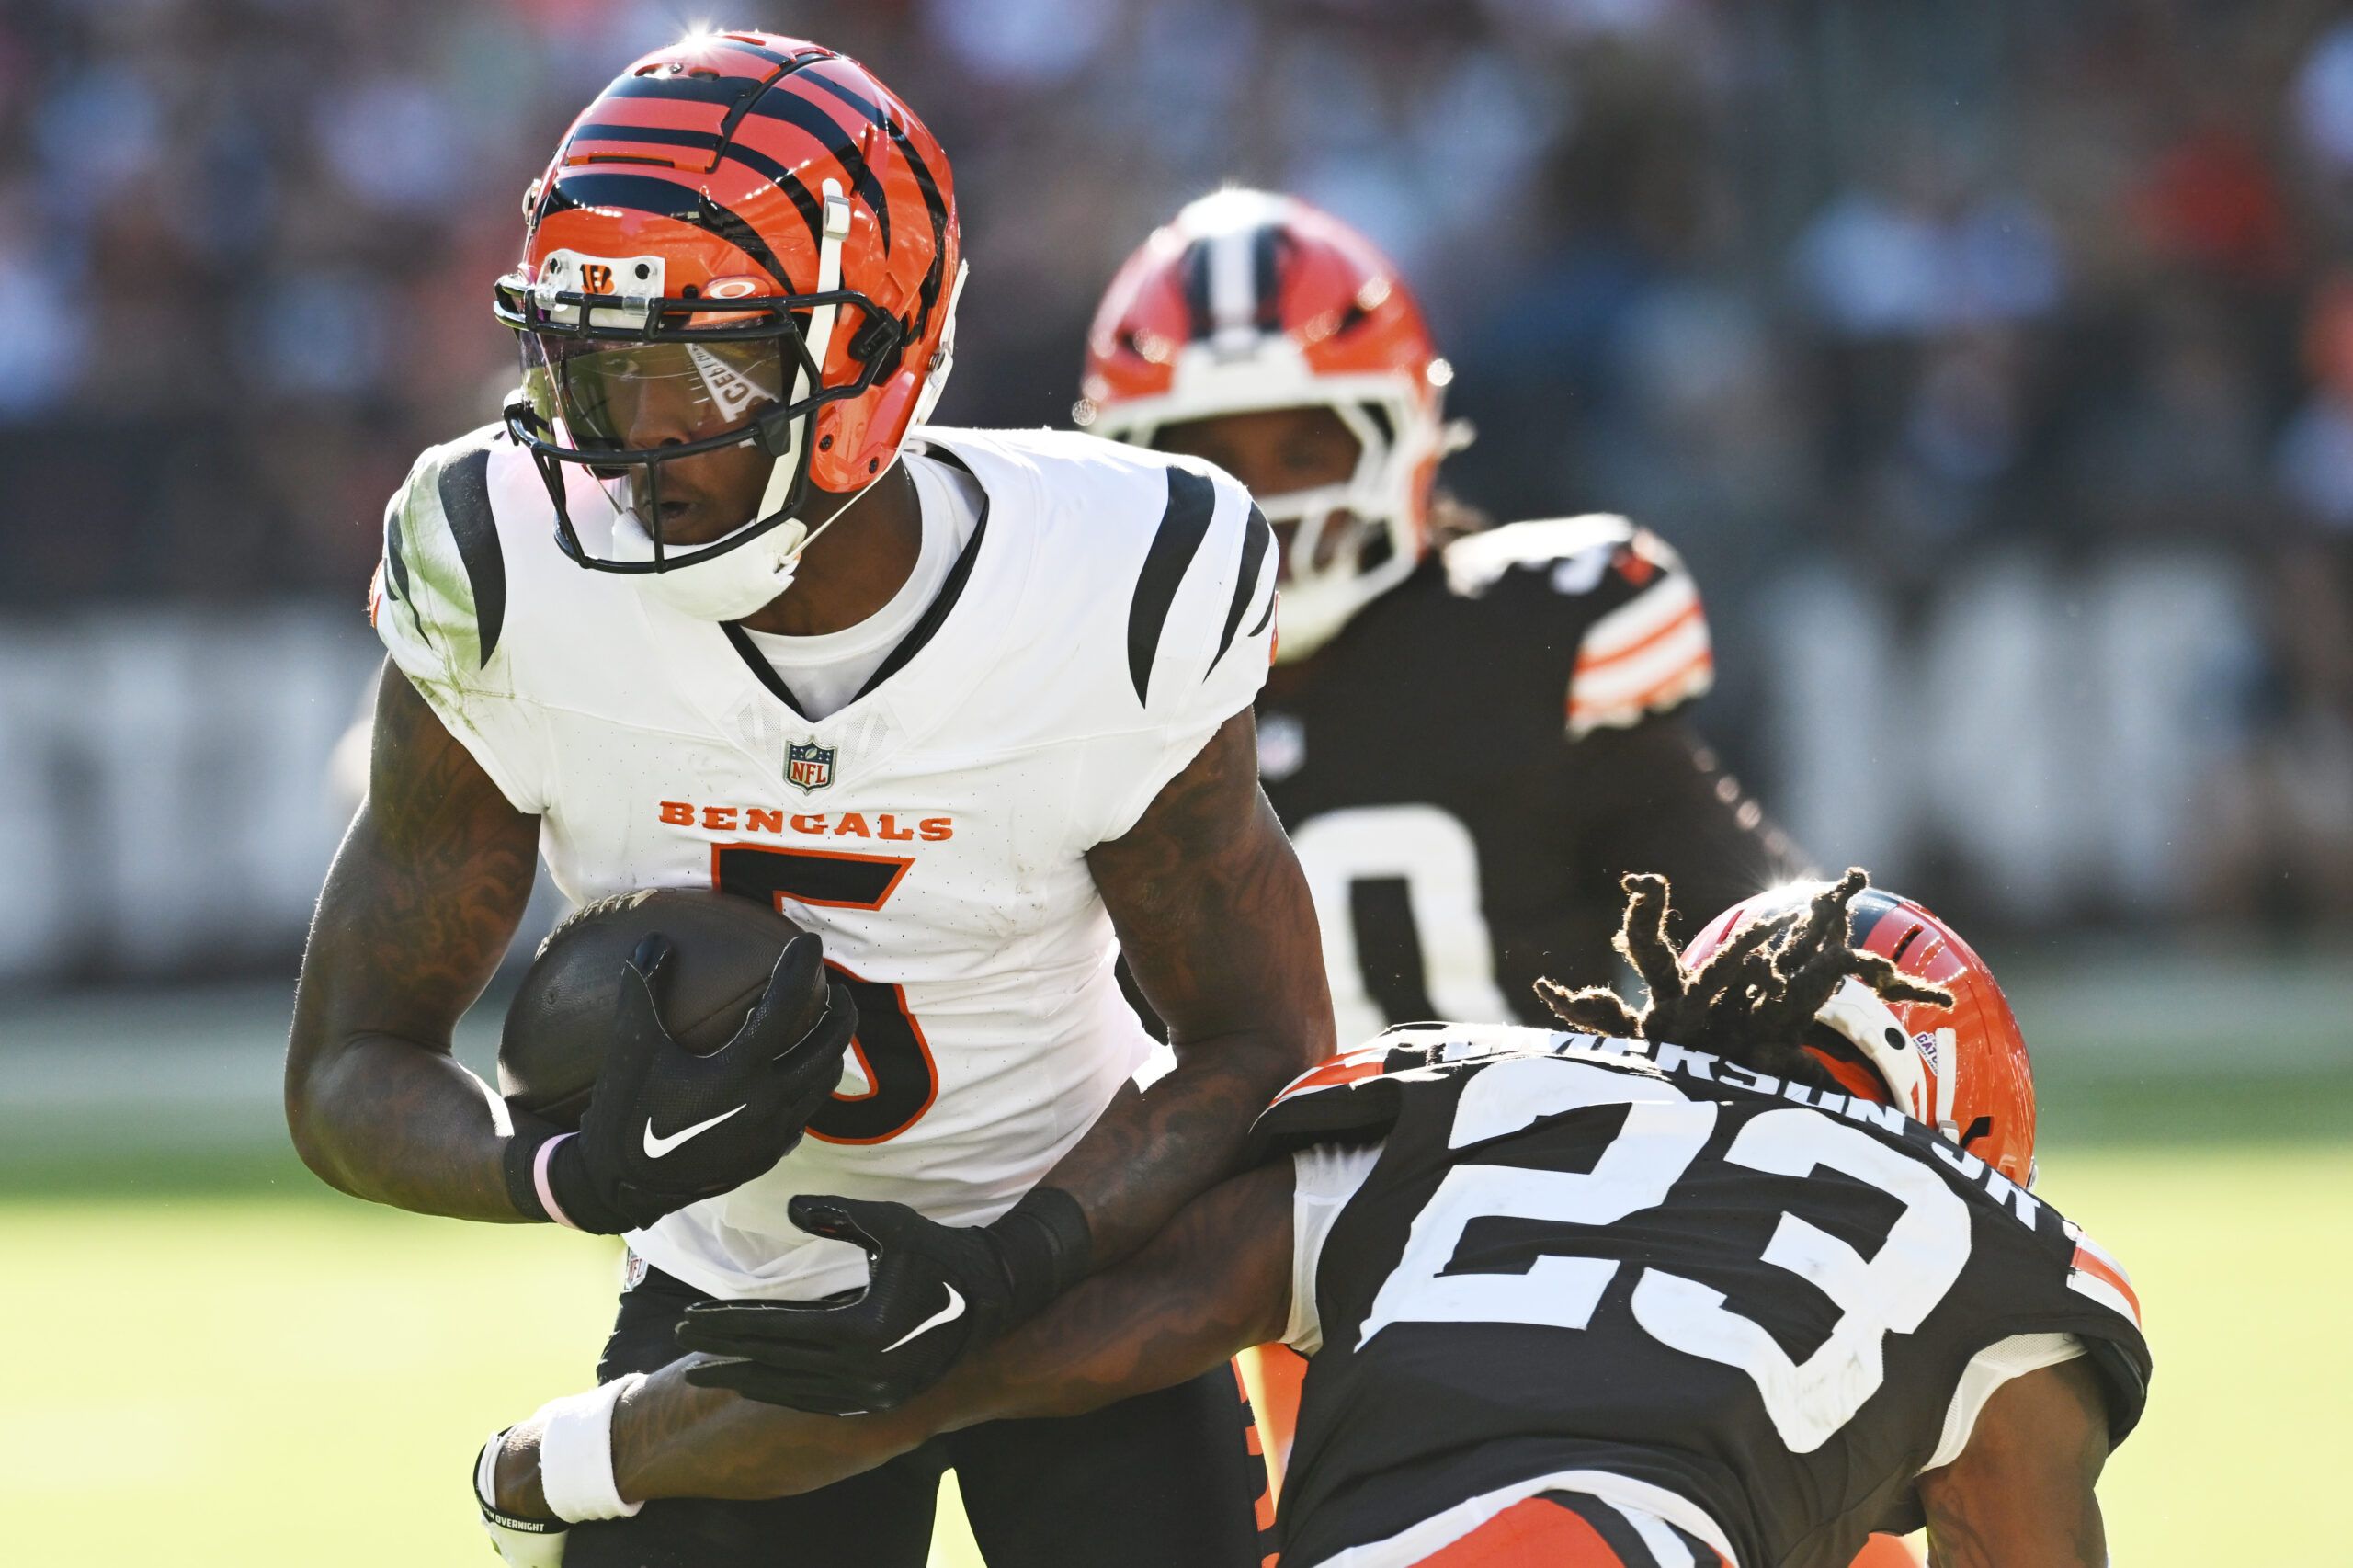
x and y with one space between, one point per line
819 342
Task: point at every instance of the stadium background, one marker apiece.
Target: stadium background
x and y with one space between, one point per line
1991 362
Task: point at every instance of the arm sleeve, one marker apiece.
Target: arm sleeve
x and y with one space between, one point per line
438 602
1324 1177
1201 633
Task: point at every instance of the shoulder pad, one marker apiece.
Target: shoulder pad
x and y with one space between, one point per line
1572 555
440 592
1642 646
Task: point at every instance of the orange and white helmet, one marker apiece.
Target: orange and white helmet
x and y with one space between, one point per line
1250 301
782 182
1962 1070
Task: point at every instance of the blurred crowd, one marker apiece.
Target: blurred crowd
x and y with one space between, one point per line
1821 275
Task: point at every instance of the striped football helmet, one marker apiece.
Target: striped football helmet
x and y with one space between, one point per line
1249 302
753 229
1963 1070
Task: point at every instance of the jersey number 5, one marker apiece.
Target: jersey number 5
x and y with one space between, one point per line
1809 1401
900 1078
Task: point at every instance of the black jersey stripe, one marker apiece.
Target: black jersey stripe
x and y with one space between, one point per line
762 671
937 615
396 572
395 563
927 627
667 199
781 104
1255 537
464 488
1191 500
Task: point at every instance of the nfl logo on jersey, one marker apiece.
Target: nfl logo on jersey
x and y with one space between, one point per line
809 766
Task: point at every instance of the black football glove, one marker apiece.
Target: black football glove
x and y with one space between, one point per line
933 1292
667 1128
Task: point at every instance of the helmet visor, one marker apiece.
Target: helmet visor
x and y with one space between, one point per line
619 396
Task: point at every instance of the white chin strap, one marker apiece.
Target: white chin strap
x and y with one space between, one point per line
748 579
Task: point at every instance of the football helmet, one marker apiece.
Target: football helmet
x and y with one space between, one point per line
745 240
1963 1070
1249 302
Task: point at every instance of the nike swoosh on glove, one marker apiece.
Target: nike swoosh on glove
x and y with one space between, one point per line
665 1127
933 1292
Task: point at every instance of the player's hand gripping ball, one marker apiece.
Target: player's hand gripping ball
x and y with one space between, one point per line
934 1292
673 1115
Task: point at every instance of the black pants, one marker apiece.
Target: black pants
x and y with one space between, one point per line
1166 1481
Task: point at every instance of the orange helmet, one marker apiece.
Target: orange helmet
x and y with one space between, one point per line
1962 1070
1251 302
783 179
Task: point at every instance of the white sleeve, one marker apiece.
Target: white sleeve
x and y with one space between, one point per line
1324 1176
1993 1367
1201 633
440 602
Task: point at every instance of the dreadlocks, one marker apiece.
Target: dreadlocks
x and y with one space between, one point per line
1754 999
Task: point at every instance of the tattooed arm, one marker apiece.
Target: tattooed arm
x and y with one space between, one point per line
421 902
1215 919
1216 1281
2020 1494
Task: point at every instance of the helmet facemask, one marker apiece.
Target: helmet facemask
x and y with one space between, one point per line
598 356
1344 544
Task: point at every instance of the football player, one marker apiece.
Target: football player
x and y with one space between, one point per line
1471 732
703 609
1730 1281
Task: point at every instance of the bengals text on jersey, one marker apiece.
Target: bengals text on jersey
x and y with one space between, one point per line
1110 609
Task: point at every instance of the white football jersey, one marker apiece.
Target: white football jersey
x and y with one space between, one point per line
1112 608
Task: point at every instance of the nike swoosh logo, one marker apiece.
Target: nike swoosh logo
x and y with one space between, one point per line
657 1147
948 1314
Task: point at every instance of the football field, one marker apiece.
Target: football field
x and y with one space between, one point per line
217 1361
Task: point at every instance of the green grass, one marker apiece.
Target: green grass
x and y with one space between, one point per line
252 1371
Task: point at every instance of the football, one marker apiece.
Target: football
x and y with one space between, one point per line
553 1044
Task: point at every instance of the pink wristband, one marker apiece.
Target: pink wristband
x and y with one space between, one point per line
540 1158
